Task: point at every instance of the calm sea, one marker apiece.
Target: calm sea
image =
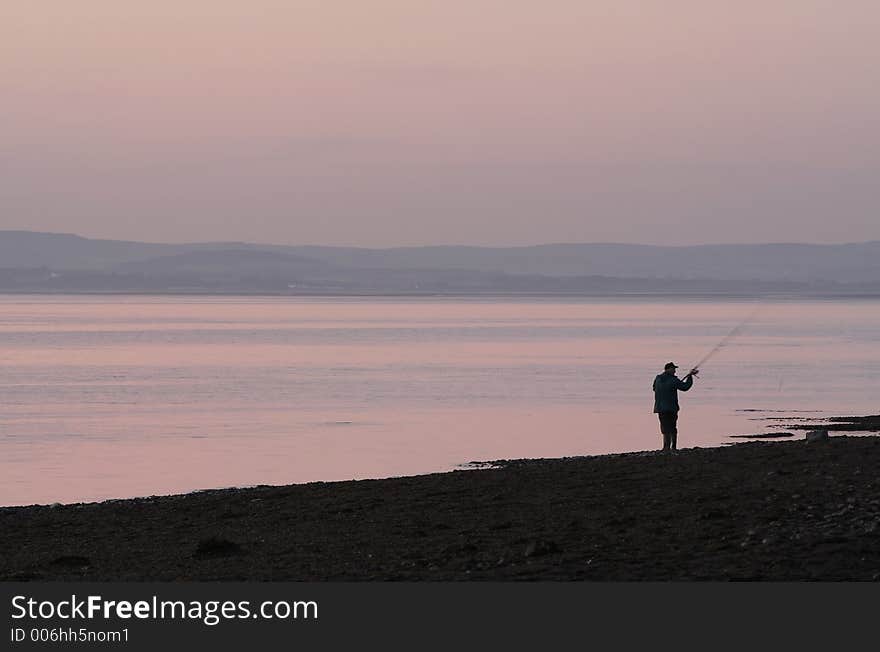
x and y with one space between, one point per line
118 396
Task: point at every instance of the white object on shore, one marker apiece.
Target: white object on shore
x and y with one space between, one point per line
817 435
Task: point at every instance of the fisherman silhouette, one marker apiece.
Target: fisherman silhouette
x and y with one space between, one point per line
666 386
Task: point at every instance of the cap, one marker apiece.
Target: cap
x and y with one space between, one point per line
670 365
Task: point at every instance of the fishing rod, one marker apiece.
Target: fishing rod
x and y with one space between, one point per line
727 338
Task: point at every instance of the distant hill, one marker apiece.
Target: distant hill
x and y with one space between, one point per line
67 251
844 263
59 262
225 262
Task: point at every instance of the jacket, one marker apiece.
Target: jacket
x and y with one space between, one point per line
666 388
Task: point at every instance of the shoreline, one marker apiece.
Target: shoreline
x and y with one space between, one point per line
853 425
788 510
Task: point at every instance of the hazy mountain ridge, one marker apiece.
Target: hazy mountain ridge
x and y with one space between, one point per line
55 262
224 261
68 251
858 262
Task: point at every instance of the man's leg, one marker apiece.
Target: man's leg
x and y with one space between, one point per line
664 429
673 436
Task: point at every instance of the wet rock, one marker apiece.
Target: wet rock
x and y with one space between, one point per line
817 435
764 435
538 548
71 561
214 547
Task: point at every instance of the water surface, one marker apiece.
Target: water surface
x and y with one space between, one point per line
127 395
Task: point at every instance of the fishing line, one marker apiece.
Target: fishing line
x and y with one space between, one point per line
727 338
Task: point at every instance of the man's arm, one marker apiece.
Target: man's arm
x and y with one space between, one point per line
687 383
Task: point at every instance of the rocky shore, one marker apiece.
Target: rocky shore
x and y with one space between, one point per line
792 510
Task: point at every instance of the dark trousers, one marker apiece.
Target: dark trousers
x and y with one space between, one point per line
669 428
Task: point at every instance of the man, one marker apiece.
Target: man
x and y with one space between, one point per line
666 386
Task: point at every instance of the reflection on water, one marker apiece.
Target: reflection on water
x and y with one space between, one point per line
120 396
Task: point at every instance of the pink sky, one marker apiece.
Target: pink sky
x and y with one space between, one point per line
395 122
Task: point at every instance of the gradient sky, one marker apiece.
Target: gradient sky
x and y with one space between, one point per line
396 122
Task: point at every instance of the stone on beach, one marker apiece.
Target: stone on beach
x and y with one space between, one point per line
817 435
